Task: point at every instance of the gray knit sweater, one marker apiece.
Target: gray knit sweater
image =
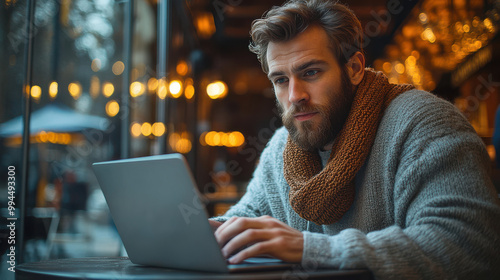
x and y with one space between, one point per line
425 207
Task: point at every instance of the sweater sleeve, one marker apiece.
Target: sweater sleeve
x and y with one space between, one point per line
445 208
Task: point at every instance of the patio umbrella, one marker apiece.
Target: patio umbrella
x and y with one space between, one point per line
55 118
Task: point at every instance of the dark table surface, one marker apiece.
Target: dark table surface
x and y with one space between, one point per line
122 268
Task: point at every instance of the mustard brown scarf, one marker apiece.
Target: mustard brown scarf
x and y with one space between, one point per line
323 195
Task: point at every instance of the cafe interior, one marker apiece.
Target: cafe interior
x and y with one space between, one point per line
103 80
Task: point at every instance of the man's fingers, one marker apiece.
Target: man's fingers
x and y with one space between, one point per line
245 238
225 225
235 226
254 250
280 246
259 236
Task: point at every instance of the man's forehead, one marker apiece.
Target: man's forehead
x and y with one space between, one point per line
311 42
299 50
294 59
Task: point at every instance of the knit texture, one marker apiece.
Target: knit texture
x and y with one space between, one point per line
424 206
323 196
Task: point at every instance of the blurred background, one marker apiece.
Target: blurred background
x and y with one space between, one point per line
111 79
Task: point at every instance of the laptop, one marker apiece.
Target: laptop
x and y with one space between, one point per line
160 217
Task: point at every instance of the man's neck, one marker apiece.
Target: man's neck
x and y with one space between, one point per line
325 156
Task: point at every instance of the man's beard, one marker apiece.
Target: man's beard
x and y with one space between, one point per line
333 115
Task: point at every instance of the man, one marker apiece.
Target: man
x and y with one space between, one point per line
365 174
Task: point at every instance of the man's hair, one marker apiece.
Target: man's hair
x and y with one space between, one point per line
282 23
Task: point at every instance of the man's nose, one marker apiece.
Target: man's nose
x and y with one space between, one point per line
297 92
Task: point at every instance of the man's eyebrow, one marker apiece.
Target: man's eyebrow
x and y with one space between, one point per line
274 74
299 68
309 64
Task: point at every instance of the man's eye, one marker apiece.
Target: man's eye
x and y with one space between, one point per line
279 80
311 72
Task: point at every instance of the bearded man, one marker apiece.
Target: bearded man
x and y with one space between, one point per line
364 174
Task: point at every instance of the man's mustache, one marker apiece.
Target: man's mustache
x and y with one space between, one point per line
295 109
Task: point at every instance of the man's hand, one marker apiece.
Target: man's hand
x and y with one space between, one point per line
262 235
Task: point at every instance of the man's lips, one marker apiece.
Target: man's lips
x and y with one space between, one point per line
304 116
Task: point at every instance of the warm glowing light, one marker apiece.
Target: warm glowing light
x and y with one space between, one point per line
75 90
466 28
158 129
217 89
36 92
224 139
227 139
180 142
96 65
146 129
58 138
429 35
236 139
205 25
189 88
400 68
175 88
118 68
216 139
416 79
475 21
411 61
162 88
182 68
108 89
10 2
432 38
173 139
415 54
95 86
186 135
202 139
478 45
489 25
51 137
44 137
152 84
183 146
53 88
136 89
423 17
209 138
135 129
189 92
65 138
387 66
112 108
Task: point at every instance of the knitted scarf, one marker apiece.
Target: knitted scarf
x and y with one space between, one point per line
323 195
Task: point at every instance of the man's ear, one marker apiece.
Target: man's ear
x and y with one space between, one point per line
356 68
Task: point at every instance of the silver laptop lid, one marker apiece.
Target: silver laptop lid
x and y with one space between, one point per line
157 210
